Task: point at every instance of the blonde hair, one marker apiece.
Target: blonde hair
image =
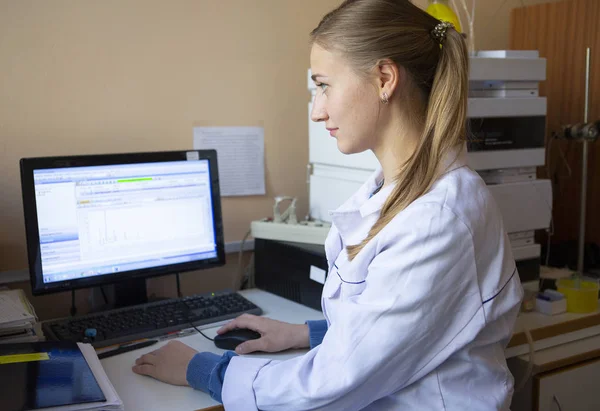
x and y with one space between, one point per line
367 32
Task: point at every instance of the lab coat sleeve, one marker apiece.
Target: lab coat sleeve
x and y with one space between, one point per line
419 304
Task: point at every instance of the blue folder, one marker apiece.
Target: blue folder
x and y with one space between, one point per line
45 374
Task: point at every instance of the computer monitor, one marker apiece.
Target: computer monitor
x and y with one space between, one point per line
102 219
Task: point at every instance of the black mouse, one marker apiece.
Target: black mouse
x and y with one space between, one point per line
233 338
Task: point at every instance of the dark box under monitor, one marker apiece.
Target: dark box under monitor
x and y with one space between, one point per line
283 268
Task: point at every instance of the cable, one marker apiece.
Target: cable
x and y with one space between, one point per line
553 175
201 333
73 308
530 363
549 234
555 400
178 286
551 141
564 158
103 295
550 231
251 273
240 278
455 9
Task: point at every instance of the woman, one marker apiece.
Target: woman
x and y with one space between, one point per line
423 291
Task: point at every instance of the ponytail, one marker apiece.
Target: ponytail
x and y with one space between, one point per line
444 130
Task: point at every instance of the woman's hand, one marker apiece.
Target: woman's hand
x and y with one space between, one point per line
275 335
168 364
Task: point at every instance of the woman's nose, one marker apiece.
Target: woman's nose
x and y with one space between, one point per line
318 112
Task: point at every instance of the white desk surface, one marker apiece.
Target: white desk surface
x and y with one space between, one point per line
147 394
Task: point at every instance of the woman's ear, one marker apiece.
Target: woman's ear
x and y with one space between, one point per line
389 77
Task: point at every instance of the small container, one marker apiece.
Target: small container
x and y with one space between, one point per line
550 302
581 293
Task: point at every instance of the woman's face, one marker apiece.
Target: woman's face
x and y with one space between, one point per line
347 103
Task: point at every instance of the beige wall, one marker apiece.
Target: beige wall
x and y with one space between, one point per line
82 76
101 76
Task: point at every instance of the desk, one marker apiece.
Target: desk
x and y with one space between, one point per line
552 330
143 393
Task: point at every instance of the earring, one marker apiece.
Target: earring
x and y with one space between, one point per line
385 99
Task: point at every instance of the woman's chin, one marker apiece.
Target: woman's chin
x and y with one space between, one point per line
347 149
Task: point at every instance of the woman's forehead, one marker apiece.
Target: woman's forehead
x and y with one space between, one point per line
325 63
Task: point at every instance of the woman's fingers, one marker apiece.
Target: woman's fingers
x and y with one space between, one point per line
144 369
146 359
243 321
259 344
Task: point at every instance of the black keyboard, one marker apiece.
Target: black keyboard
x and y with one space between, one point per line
151 319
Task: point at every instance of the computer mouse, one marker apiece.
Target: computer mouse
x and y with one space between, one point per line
233 338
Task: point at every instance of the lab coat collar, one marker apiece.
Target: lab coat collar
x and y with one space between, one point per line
353 204
347 217
362 203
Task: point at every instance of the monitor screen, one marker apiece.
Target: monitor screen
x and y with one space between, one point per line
97 219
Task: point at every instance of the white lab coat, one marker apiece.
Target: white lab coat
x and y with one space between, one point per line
417 321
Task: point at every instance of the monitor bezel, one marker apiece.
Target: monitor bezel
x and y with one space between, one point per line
27 167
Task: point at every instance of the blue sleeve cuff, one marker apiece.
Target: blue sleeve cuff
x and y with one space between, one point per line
206 372
316 332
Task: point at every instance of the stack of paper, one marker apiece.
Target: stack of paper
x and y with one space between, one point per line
17 318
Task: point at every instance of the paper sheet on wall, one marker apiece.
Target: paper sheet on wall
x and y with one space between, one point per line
240 156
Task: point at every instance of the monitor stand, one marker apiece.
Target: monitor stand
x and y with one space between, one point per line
119 295
123 294
130 292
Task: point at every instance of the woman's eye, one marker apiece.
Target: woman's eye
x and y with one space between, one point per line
323 86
